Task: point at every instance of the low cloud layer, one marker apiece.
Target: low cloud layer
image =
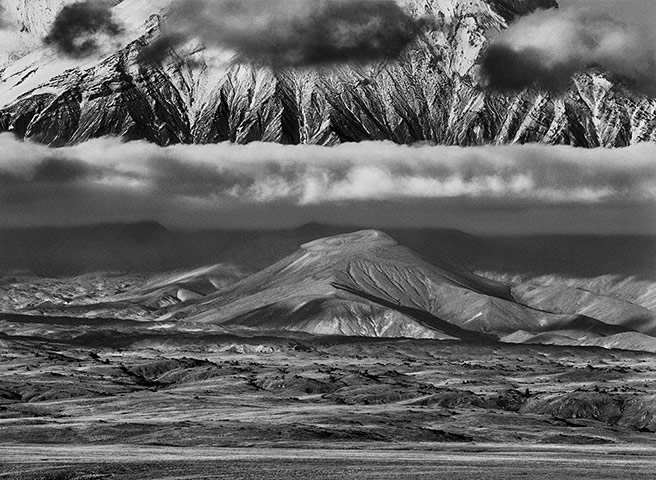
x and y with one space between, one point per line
108 180
81 28
547 48
291 32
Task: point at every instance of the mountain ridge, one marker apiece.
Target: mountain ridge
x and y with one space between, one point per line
366 284
431 94
361 284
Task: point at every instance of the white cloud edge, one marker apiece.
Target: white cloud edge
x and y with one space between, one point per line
313 175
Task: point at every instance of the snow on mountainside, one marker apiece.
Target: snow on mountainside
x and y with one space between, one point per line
430 94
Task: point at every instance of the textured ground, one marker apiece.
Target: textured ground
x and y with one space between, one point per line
494 462
229 391
152 401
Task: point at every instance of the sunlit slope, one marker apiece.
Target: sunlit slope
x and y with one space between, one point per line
432 93
366 284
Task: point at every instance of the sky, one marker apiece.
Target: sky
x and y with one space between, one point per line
641 13
631 11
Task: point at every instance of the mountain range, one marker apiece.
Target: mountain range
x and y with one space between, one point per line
360 284
433 93
365 284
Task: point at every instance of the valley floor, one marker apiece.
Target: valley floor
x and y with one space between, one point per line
417 461
125 403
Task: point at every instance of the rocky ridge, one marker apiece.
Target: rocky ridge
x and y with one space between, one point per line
366 284
432 93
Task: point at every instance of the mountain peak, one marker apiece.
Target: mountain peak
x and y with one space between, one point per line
359 239
60 101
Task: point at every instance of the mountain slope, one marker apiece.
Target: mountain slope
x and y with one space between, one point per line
366 284
353 284
432 93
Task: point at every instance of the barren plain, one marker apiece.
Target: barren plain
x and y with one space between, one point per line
159 405
119 375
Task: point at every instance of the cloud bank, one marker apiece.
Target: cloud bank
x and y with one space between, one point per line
80 28
291 32
118 181
547 48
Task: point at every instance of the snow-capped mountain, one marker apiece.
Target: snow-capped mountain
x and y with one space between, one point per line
432 94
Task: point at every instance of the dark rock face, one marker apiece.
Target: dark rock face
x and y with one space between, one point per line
511 8
431 94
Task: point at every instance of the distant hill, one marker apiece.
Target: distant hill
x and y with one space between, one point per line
360 283
150 247
366 284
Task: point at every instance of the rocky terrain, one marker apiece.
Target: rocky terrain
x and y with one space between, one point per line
120 402
432 93
352 341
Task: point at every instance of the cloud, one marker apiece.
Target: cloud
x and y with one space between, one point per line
547 48
157 50
304 174
291 32
106 179
80 28
47 170
4 21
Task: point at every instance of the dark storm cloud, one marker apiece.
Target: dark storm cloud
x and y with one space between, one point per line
157 50
547 48
76 28
55 170
292 32
507 69
46 170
